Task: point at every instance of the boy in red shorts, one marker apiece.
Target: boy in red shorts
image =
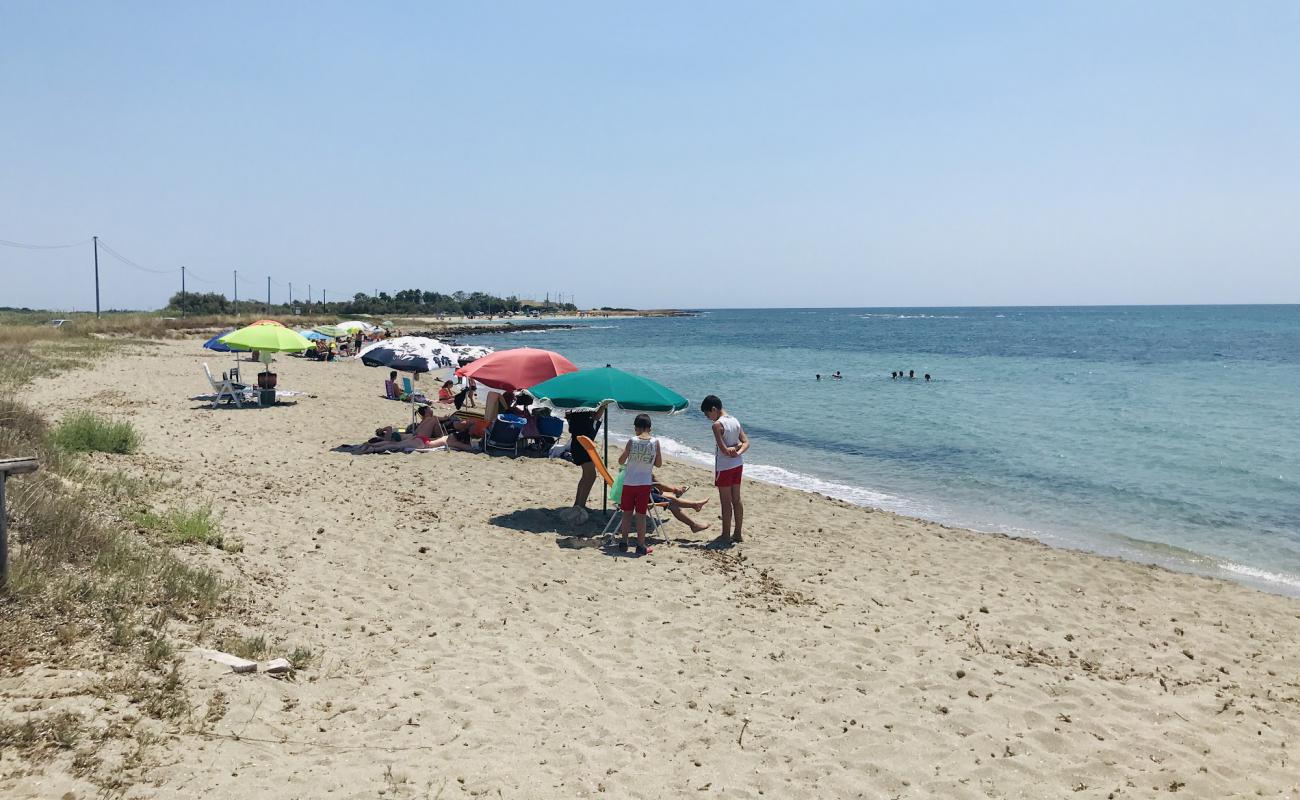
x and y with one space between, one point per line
728 466
641 455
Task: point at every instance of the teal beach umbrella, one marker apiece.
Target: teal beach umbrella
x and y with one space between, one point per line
590 389
595 389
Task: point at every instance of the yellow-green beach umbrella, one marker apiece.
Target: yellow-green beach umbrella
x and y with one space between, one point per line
332 331
267 339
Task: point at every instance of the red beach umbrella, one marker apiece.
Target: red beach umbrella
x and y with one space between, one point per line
517 369
267 322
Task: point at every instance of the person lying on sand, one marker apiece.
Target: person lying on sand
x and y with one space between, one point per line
457 436
425 432
672 495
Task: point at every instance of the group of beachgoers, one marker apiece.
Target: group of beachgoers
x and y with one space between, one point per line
640 457
897 375
349 345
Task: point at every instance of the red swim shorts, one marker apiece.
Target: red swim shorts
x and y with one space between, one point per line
635 499
728 477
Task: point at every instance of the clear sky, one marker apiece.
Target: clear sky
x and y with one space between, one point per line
656 154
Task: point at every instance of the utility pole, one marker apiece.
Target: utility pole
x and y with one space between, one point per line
290 294
309 296
182 291
236 294
95 239
268 295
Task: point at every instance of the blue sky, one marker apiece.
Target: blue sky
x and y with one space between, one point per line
656 154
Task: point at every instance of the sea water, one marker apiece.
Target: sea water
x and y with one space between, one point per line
1158 434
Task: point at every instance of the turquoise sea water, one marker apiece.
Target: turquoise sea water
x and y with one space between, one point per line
1159 434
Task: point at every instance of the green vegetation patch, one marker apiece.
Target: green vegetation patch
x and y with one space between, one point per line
199 525
85 432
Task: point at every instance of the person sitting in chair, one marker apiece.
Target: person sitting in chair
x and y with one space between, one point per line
672 495
391 390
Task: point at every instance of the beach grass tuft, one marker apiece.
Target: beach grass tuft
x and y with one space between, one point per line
199 525
301 657
86 432
253 648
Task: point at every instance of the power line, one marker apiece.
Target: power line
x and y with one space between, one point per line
131 263
25 246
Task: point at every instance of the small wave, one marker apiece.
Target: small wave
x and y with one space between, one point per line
780 476
908 316
1291 582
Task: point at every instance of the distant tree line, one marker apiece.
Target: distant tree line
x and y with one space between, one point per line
408 301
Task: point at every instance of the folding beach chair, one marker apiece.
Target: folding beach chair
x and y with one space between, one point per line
652 509
549 430
224 388
504 434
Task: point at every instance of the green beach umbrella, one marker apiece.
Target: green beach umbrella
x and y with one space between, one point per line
590 389
595 389
267 339
332 331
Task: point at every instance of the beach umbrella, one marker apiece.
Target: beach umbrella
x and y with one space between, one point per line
312 335
409 354
331 331
216 344
598 389
268 322
466 353
591 389
518 368
267 339
355 325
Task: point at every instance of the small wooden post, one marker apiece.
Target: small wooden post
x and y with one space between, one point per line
9 466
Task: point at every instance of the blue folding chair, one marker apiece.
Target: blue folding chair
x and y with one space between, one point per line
504 434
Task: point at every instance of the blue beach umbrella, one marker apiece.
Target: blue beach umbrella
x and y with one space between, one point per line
313 335
216 344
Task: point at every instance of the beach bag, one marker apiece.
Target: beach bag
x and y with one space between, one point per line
616 491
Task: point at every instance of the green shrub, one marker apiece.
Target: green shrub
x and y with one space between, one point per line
86 432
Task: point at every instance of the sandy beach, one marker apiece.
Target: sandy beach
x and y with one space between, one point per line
839 652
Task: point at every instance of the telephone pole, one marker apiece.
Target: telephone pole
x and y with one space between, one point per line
95 239
268 295
290 294
236 294
309 296
182 291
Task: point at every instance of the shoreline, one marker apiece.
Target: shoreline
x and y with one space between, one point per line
1130 550
840 650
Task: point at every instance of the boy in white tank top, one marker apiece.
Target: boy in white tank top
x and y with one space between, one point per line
728 466
641 455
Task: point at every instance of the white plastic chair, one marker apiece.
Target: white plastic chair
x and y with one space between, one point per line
224 388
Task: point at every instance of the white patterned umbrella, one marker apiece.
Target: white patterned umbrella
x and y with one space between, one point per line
409 354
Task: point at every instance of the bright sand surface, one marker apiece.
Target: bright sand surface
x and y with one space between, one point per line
839 652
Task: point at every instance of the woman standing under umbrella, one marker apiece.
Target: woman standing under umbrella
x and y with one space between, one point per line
582 423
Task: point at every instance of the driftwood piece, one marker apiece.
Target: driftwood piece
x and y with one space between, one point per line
234 662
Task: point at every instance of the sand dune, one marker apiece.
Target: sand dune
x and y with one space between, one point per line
840 652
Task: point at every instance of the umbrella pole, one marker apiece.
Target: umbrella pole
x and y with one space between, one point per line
604 496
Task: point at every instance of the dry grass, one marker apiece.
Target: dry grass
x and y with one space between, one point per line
27 328
85 590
